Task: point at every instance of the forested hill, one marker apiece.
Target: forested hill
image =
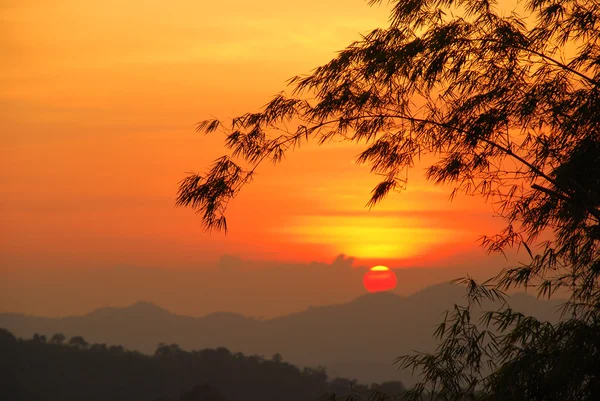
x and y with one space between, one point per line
359 339
61 370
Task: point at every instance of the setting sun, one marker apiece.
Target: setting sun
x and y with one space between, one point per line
379 278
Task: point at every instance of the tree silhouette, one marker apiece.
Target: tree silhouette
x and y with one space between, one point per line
78 342
508 107
39 338
99 347
58 338
7 337
116 349
167 350
34 370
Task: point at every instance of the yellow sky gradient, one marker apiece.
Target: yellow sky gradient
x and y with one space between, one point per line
98 106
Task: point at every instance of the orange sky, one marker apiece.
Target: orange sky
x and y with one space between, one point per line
98 106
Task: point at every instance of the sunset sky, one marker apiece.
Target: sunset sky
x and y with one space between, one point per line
98 106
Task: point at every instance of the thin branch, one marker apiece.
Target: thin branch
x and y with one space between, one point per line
539 54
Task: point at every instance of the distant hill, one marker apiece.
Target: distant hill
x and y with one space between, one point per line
359 339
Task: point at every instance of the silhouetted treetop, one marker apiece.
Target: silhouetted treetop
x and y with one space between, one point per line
78 341
36 370
57 338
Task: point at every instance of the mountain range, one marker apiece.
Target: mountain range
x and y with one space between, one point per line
359 339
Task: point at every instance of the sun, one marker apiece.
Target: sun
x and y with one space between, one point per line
379 278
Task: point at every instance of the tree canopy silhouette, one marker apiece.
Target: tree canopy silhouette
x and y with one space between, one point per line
37 370
508 106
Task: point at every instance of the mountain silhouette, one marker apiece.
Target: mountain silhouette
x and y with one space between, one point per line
140 308
359 339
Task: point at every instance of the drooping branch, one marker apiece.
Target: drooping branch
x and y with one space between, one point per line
554 61
284 140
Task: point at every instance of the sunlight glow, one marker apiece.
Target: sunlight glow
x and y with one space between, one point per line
379 268
371 238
